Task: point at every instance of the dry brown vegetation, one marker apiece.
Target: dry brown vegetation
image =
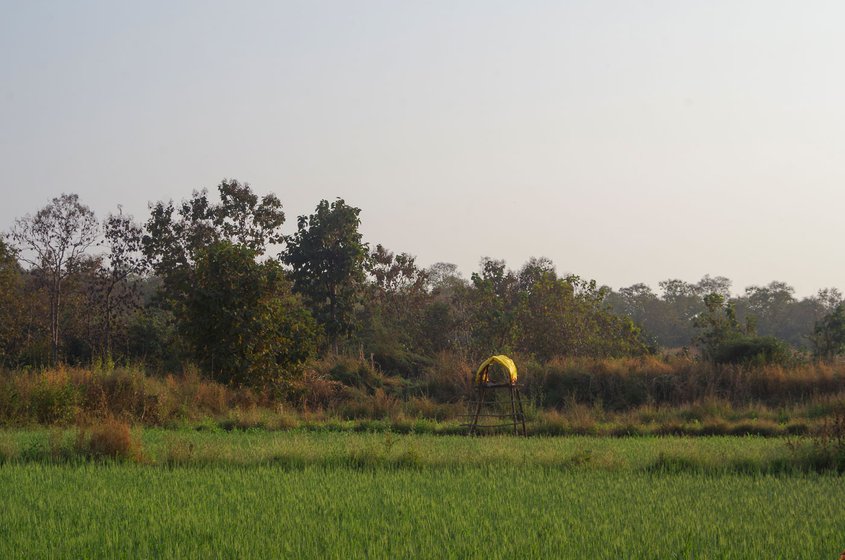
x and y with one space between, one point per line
109 439
647 395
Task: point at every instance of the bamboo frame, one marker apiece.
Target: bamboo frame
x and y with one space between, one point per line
516 414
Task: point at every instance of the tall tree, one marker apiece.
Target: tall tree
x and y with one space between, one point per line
243 323
829 334
495 298
446 322
327 256
123 259
176 235
11 302
391 323
54 240
444 277
683 303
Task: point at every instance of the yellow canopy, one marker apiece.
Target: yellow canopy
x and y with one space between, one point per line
482 376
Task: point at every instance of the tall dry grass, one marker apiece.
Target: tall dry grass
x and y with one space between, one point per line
65 396
572 395
625 383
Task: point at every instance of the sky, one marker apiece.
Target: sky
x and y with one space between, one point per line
628 141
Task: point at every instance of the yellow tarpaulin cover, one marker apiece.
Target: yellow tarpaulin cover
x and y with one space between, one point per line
481 376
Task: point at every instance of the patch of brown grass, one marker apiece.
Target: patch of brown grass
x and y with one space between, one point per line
109 439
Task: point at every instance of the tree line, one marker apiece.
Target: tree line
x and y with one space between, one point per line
212 280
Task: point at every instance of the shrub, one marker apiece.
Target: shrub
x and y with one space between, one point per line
109 439
314 391
753 351
54 401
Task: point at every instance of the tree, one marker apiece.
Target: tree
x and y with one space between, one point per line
395 274
10 302
392 322
397 290
718 325
569 316
546 316
536 312
446 322
724 340
326 256
494 301
445 277
114 294
828 337
683 302
769 305
176 236
828 298
54 240
243 323
533 271
714 285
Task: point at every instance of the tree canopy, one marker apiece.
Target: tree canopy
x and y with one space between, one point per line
214 281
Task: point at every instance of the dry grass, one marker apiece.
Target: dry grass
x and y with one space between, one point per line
109 439
576 395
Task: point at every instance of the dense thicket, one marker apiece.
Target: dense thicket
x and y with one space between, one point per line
213 282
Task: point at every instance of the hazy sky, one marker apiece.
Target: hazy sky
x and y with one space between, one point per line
628 141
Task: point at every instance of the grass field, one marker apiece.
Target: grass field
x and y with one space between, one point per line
333 495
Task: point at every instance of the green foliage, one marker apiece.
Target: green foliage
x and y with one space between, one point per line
717 325
753 351
54 403
669 319
392 322
377 305
243 323
829 334
11 304
175 235
327 256
177 238
568 317
724 341
493 300
536 312
152 338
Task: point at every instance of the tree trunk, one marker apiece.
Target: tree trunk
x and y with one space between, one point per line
333 320
108 323
54 321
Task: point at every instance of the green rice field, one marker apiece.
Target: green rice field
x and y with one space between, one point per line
329 495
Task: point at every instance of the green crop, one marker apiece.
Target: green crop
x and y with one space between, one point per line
307 495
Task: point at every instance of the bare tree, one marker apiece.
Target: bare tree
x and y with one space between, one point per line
54 240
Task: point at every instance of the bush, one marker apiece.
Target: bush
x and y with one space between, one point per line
753 351
110 439
55 403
